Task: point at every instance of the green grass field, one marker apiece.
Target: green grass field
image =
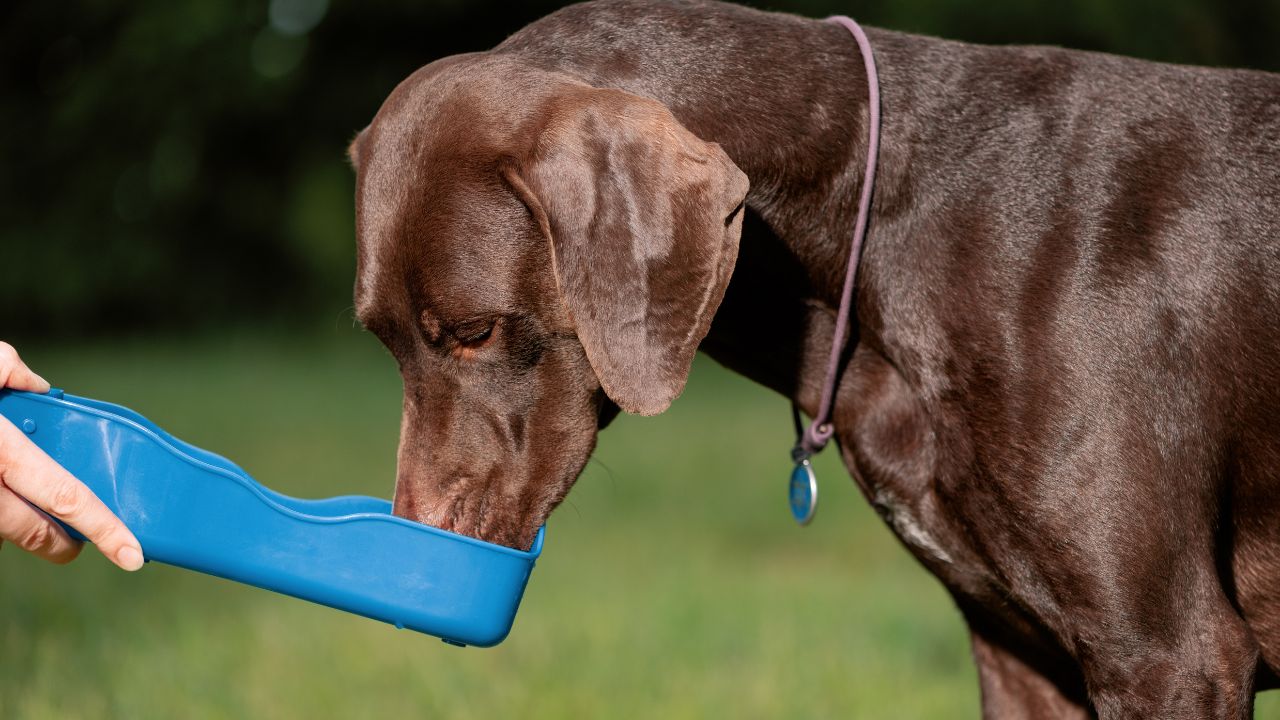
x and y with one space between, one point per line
674 583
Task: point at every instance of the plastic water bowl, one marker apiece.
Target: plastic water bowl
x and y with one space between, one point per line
196 510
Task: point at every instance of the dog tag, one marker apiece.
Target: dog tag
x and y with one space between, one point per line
803 492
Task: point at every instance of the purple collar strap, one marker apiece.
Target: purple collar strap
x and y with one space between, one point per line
810 440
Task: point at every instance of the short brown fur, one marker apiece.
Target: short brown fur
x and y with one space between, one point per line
1063 387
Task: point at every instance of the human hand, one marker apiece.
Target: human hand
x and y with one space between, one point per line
33 487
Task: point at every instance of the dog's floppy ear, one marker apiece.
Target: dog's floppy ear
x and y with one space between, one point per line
643 218
353 150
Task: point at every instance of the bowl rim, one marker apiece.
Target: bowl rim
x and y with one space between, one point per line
136 422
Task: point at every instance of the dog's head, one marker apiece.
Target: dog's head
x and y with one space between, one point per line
536 253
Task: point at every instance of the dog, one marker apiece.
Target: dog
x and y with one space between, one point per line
1062 385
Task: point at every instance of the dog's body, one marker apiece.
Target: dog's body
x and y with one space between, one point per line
1063 391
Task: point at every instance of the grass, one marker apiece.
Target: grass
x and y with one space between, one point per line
673 584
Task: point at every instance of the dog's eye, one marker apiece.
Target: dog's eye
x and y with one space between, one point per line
728 220
474 333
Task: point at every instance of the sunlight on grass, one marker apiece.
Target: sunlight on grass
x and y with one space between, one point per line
673 584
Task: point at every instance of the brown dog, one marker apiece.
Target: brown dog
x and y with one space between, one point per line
1063 389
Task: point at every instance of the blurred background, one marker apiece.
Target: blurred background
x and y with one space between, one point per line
176 235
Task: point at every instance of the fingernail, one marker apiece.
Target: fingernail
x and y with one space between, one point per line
47 385
129 558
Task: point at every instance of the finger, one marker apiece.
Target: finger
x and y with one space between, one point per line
33 531
33 475
15 374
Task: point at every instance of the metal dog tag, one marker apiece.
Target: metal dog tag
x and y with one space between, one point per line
803 492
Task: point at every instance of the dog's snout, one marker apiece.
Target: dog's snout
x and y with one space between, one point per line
432 497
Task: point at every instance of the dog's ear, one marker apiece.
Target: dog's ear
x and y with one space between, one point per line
353 150
643 219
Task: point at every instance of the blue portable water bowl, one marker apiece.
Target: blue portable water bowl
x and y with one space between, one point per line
196 510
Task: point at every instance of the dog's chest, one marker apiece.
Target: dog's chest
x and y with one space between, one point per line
891 446
907 522
922 523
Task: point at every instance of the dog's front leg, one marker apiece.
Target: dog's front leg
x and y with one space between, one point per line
1022 684
1101 547
1203 667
